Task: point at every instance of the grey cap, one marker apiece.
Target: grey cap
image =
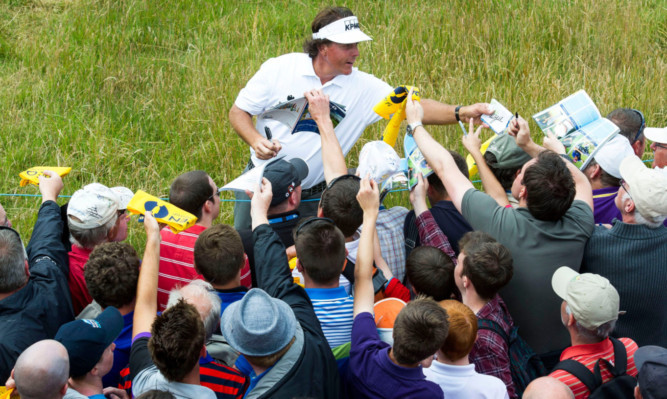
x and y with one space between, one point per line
651 362
258 325
508 154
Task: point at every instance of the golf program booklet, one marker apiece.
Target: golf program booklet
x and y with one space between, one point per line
295 115
248 180
577 123
416 163
500 120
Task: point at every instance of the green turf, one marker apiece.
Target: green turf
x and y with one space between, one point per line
133 93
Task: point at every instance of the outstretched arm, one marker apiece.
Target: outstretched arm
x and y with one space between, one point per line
438 158
491 185
437 113
332 154
519 129
364 295
146 302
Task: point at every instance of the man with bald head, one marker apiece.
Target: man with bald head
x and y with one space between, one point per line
42 371
547 388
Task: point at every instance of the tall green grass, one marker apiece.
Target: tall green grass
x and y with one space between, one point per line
133 93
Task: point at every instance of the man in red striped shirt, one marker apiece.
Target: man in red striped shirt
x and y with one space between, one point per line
589 311
194 192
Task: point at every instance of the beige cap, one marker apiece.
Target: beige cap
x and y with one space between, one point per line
647 187
591 297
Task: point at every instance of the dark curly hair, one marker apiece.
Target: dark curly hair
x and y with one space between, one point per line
112 273
550 187
322 19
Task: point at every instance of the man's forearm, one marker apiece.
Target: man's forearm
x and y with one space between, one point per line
242 123
146 301
332 154
437 113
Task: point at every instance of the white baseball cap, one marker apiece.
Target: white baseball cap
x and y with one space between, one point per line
656 134
647 187
379 160
610 155
92 206
344 31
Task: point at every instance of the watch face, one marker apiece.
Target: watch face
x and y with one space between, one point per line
408 130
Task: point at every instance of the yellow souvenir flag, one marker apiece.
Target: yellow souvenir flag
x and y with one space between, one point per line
32 175
8 393
394 103
164 212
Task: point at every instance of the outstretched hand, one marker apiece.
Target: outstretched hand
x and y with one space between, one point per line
519 129
318 104
552 143
472 142
474 113
368 195
50 185
418 195
413 109
260 202
151 226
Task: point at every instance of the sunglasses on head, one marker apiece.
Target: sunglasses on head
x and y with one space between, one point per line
641 126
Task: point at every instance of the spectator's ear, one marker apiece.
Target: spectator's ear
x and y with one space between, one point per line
638 394
63 390
320 214
27 272
299 266
202 353
112 231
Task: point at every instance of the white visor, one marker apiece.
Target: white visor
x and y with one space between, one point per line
343 31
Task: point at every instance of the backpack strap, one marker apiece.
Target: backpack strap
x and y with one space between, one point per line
486 324
581 372
620 357
411 232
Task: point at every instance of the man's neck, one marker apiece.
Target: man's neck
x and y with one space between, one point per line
193 376
473 301
308 283
441 358
232 284
628 218
322 70
126 309
393 359
87 386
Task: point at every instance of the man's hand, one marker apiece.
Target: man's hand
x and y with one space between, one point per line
265 148
552 143
418 195
474 112
152 228
472 142
115 393
369 196
318 105
520 130
260 203
413 110
50 186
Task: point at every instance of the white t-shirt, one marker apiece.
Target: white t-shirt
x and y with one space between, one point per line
464 382
291 75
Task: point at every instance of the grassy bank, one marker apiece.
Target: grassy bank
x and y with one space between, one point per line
133 93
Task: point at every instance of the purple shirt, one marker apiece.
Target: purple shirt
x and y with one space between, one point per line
371 372
604 207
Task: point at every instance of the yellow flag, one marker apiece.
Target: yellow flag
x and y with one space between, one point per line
31 176
164 212
394 104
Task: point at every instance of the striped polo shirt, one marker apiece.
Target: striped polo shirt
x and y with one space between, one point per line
333 307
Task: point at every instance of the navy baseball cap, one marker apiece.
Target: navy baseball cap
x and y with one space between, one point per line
285 176
651 362
86 339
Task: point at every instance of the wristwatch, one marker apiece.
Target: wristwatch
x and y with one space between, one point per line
411 128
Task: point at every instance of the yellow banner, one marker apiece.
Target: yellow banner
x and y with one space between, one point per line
394 104
164 212
31 176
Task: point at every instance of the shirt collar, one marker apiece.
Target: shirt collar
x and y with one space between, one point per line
586 349
306 69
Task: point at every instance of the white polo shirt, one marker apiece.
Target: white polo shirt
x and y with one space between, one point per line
291 75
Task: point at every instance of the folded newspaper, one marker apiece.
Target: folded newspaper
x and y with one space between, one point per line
577 123
295 115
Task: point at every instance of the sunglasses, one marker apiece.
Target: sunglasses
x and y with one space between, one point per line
311 221
625 187
641 126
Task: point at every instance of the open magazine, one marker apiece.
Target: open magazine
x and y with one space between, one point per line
295 115
416 163
578 124
500 120
248 180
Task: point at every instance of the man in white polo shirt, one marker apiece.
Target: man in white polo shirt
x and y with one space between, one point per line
326 64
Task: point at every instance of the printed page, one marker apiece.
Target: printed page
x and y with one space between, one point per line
568 115
581 145
500 120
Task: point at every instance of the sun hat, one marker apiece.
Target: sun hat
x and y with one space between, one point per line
344 31
379 160
656 134
258 324
87 339
591 297
92 206
647 187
